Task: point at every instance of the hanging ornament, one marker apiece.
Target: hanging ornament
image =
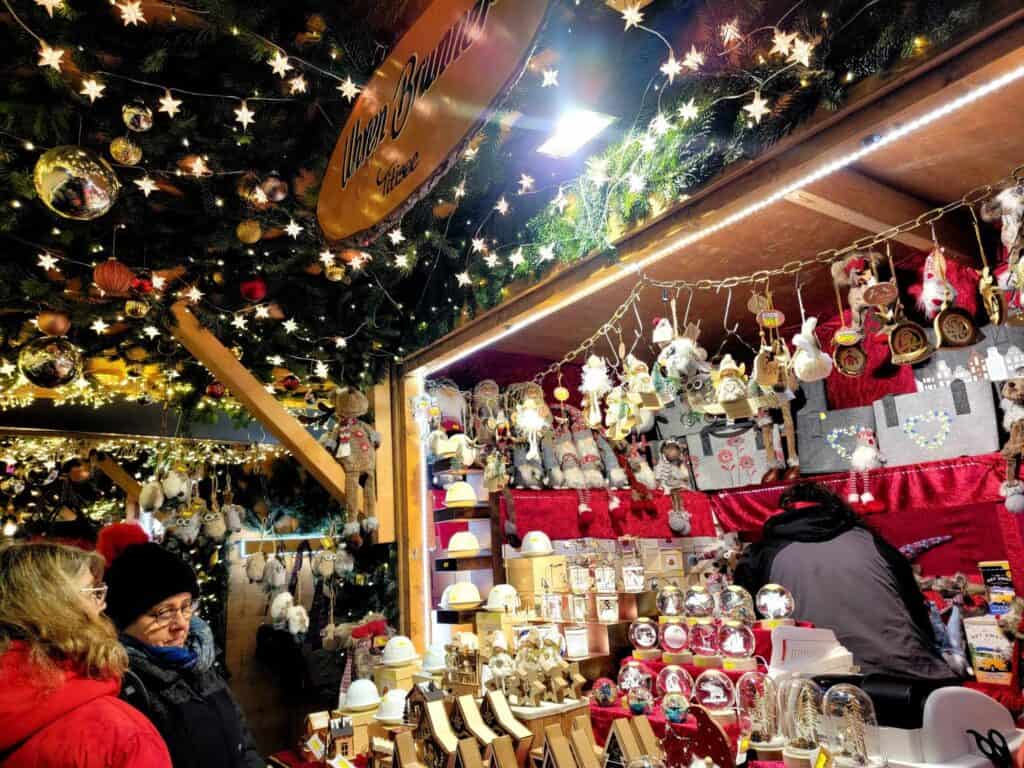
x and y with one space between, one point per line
218 278
142 285
50 362
290 382
334 272
249 231
125 151
254 289
136 308
137 117
53 323
275 188
237 352
113 277
75 183
216 390
595 385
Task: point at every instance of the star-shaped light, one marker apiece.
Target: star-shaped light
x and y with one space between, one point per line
479 245
460 190
546 252
49 5
758 108
550 78
92 89
802 52
516 258
632 16
99 326
320 370
670 68
464 278
396 237
648 143
131 13
193 294
279 63
151 331
636 183
502 205
262 312
275 360
730 32
239 322
326 257
7 368
169 104
244 115
660 125
199 166
297 84
694 59
158 282
293 229
689 111
525 183
597 170
48 262
491 260
340 342
290 325
50 57
359 261
349 89
146 184
401 261
561 201
782 42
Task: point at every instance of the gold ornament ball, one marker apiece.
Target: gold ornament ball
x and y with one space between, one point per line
218 278
50 362
53 323
249 231
237 352
334 272
561 394
136 308
75 183
137 117
125 151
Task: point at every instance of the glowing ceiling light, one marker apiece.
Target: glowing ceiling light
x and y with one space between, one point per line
573 130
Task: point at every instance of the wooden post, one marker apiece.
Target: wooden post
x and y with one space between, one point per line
124 481
380 400
207 348
410 512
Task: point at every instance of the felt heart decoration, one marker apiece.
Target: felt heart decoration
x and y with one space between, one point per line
938 423
837 434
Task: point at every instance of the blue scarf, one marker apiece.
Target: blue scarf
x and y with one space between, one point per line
169 657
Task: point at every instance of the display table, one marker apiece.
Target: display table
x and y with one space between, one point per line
602 718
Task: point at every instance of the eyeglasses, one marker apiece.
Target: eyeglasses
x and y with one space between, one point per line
99 594
165 616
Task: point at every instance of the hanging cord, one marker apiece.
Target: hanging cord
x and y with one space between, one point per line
800 300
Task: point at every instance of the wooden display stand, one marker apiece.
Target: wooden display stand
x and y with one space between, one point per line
466 720
400 678
583 749
677 658
537 719
650 744
504 753
708 662
621 747
744 664
557 751
497 715
646 654
583 723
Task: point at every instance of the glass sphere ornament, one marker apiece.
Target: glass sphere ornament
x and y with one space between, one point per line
640 700
249 231
670 600
675 706
698 603
713 690
50 362
633 674
604 693
736 640
275 188
774 601
800 714
851 727
113 277
675 679
137 117
53 323
736 603
136 308
758 699
125 151
704 638
673 636
75 183
643 634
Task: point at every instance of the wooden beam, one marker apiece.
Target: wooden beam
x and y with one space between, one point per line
124 481
380 400
410 492
206 348
859 201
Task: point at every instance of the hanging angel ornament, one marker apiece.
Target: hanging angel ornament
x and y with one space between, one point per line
809 362
595 385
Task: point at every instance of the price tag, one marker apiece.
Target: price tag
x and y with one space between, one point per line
315 745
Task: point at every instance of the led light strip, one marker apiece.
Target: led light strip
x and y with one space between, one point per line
682 242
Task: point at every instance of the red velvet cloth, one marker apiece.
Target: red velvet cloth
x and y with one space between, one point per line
601 718
556 513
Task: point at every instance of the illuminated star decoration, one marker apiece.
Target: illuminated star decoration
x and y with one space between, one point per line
326 257
131 13
7 368
660 125
479 245
597 170
279 63
689 111
48 262
546 252
151 331
648 143
275 360
636 183
49 5
632 16
349 89
670 68
340 342
244 115
297 84
396 237
550 78
516 258
158 282
561 201
401 261
262 312
99 326
193 294
525 184
293 229
758 108
239 322
290 325
169 104
730 32
460 190
491 260
694 59
320 370
782 42
92 89
802 51
360 261
199 166
463 278
501 206
50 57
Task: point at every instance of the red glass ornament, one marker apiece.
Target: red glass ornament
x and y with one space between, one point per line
215 389
291 382
254 289
142 285
113 277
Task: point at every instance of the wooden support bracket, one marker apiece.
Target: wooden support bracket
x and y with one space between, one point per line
208 349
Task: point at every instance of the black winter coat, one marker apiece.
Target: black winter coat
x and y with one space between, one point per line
192 708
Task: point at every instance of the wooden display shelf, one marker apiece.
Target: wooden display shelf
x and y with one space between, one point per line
478 562
448 616
446 514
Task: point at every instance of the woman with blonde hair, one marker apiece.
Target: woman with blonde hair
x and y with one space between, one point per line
61 666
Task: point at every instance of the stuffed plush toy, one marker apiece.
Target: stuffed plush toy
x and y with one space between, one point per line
529 472
732 385
1008 208
323 564
357 449
279 608
672 476
595 385
151 496
255 566
590 458
214 526
297 622
486 411
566 473
865 457
185 527
855 273
175 485
616 475
809 362
275 576
1012 403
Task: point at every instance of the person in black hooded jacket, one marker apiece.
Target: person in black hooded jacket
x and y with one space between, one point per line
846 578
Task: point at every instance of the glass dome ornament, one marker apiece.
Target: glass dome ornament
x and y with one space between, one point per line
670 600
640 700
673 636
736 642
643 634
758 700
714 691
800 712
675 706
851 727
605 693
633 674
675 679
735 603
698 603
775 604
704 638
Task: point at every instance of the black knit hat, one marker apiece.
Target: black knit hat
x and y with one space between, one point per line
143 576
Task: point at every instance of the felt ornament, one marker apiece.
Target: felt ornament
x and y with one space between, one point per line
275 575
297 621
934 290
566 472
865 457
214 526
590 459
175 484
683 358
151 496
731 386
255 566
1008 208
1012 404
616 476
185 528
279 608
663 332
594 386
809 362
323 564
233 515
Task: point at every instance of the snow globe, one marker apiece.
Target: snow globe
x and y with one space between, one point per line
800 708
674 636
699 603
604 693
633 674
640 700
736 643
758 701
670 600
851 728
704 644
643 634
675 679
735 603
675 706
714 691
775 604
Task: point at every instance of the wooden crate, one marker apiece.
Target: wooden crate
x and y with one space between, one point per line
387 678
529 574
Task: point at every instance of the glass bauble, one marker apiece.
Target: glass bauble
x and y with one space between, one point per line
50 362
125 151
275 188
75 183
604 693
673 636
670 600
737 604
736 640
774 601
714 690
137 117
640 700
704 638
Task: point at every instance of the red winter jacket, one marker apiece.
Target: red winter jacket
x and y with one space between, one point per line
78 723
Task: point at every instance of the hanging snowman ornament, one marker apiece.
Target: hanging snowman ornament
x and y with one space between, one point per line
865 457
595 385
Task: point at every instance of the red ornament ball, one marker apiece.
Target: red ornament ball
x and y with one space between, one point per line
215 390
113 277
254 289
291 382
142 285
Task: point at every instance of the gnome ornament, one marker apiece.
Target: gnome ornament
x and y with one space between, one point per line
865 457
673 477
732 385
809 362
595 385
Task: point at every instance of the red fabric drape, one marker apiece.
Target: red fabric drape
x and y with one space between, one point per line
602 718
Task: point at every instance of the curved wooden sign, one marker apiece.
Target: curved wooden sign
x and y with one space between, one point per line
421 107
